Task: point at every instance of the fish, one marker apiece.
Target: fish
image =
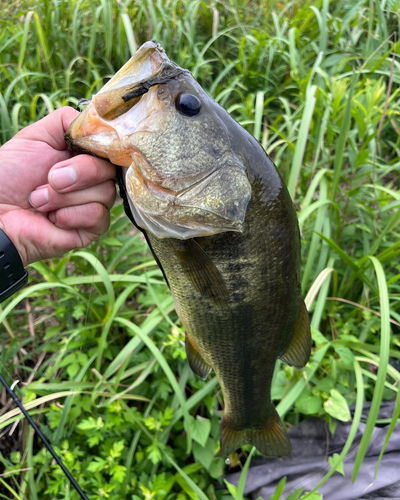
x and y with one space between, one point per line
221 225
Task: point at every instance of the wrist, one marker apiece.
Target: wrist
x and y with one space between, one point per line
12 273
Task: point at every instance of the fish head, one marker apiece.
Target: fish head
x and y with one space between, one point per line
182 177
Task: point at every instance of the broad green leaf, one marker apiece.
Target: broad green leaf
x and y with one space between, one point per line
335 459
204 454
310 406
231 488
201 430
345 354
336 406
296 494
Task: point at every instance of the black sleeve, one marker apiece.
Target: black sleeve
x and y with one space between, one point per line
12 273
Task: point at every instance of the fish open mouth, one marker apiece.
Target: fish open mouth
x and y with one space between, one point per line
180 204
105 118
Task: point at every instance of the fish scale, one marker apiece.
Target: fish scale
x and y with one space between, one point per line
222 227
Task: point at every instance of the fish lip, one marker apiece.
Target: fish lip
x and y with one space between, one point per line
78 149
83 133
73 146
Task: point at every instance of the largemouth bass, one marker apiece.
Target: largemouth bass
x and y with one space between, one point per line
221 225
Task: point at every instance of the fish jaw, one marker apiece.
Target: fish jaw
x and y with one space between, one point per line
114 139
210 206
89 133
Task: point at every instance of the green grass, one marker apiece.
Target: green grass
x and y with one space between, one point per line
95 334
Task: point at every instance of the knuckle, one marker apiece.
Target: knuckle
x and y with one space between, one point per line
96 211
104 223
108 193
109 187
60 219
95 167
67 217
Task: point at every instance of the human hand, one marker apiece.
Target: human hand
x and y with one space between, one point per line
51 201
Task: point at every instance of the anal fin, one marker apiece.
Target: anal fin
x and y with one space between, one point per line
196 362
299 350
271 439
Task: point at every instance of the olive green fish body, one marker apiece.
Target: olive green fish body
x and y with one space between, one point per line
242 338
220 223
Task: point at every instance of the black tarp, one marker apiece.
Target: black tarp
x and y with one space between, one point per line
312 445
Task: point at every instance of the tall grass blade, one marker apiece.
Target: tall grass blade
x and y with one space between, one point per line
382 26
42 39
341 142
24 40
301 141
243 476
258 115
8 487
130 36
353 430
102 272
188 480
393 423
383 365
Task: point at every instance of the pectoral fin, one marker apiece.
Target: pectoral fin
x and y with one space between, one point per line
201 271
299 350
196 362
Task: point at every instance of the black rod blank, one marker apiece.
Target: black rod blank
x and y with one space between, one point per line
41 436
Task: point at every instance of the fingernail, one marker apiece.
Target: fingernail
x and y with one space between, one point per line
52 217
39 197
63 177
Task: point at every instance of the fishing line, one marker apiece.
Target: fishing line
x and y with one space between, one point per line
13 396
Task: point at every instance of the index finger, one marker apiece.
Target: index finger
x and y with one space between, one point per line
51 128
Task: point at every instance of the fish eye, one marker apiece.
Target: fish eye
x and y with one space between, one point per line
188 104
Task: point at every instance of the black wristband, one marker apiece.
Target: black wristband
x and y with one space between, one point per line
12 273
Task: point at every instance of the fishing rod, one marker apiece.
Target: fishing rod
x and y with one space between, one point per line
12 394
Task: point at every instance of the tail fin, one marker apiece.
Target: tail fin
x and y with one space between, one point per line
271 439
